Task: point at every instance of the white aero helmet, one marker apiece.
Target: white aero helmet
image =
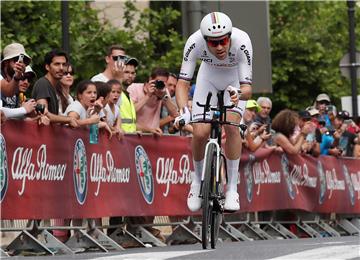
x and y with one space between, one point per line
215 24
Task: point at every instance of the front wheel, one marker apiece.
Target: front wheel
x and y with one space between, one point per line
216 214
207 209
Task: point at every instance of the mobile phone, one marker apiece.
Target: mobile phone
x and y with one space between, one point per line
21 58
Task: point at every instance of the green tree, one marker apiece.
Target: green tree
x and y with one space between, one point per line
37 25
308 40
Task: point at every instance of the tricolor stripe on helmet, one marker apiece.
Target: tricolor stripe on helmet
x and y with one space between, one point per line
214 18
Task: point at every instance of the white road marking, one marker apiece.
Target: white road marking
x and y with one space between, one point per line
326 253
150 255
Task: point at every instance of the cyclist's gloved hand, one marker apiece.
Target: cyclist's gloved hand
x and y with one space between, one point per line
184 118
234 94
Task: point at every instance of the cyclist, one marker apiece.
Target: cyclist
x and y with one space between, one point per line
226 55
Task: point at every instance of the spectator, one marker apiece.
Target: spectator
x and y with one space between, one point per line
82 109
148 99
17 107
116 61
18 99
112 111
255 135
44 91
167 120
127 107
263 116
344 140
313 139
63 89
103 94
323 100
284 124
12 68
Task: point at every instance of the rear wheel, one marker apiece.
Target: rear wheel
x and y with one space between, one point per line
207 209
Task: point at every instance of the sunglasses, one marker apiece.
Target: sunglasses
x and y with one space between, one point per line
69 72
119 57
324 102
215 43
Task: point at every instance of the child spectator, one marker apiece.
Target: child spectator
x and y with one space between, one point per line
112 111
82 109
103 94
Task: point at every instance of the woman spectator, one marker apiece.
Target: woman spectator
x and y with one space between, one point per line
284 124
63 89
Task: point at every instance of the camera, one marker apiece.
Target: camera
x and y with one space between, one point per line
40 108
159 84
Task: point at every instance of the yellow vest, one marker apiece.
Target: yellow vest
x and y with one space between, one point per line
128 114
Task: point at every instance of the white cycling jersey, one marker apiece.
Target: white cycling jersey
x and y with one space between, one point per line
214 74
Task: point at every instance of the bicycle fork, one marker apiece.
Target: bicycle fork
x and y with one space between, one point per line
212 141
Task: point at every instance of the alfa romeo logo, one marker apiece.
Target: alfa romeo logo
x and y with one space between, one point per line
322 181
4 176
285 168
80 171
144 174
349 185
249 178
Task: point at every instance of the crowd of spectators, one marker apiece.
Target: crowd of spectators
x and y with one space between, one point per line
113 100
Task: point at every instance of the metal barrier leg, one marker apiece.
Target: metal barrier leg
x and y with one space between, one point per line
3 253
53 243
284 231
26 241
256 228
332 232
356 222
349 227
308 229
145 236
104 240
122 236
237 233
81 241
182 234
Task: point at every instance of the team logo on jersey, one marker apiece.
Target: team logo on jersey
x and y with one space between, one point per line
144 174
80 171
186 56
4 174
322 182
285 169
349 185
249 179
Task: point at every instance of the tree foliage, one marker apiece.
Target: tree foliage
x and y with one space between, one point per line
37 25
308 39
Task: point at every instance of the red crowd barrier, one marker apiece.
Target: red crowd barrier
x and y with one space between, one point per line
53 172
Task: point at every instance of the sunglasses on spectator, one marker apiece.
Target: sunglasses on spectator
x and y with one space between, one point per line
215 43
324 102
28 77
117 57
69 73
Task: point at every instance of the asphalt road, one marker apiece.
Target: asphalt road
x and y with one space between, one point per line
306 249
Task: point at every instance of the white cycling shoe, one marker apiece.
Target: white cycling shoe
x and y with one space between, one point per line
232 202
193 200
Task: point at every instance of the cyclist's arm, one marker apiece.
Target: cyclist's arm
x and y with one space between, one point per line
246 91
182 92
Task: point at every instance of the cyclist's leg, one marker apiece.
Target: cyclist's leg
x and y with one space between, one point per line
200 136
233 145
